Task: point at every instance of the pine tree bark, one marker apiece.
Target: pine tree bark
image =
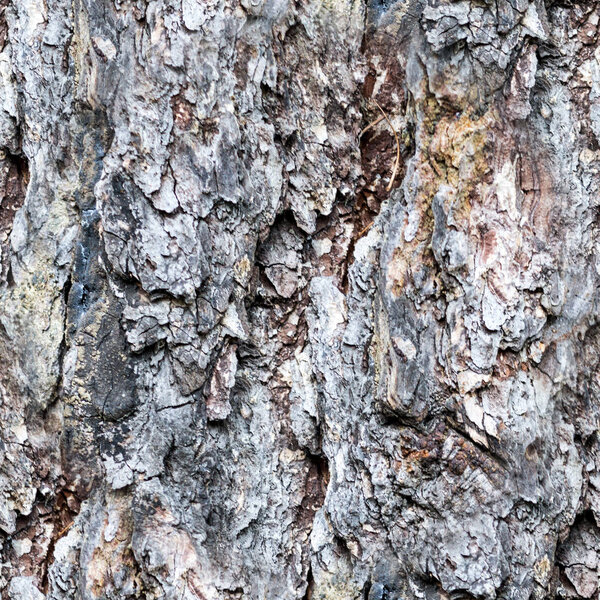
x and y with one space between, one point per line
299 299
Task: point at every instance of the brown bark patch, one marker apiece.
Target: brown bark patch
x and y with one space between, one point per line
14 177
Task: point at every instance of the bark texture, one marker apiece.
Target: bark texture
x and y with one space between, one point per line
299 299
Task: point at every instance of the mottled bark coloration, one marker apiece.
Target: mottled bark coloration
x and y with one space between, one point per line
299 299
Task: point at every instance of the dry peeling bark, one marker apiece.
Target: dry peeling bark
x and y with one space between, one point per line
299 299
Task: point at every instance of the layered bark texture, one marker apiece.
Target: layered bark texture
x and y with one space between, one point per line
299 299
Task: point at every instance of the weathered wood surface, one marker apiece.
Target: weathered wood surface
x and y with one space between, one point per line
299 299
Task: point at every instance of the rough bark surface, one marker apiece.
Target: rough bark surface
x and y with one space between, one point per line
299 299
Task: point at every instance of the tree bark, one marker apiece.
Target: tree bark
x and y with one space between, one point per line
299 299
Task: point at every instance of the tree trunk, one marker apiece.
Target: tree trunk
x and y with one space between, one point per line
299 299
